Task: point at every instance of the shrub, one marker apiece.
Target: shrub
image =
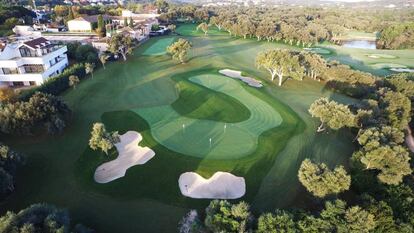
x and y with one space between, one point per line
57 84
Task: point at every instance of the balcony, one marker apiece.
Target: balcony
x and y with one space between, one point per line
28 53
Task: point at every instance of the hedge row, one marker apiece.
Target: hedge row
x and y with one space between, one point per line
57 84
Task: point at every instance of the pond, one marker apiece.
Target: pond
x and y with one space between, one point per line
360 44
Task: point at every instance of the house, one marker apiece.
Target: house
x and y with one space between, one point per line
136 18
31 62
85 23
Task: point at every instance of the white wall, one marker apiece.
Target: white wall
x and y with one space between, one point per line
79 26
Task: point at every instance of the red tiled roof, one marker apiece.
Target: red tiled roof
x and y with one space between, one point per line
37 43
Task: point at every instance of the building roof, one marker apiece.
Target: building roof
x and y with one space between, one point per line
37 43
91 18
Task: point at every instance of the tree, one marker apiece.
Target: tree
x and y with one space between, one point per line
73 81
172 27
279 222
7 95
101 26
343 219
179 49
101 139
161 5
201 14
120 44
103 58
89 67
190 223
40 110
311 224
246 27
280 63
217 21
396 107
315 66
359 220
221 216
82 53
321 181
375 137
37 218
71 15
332 114
131 22
125 21
203 27
392 162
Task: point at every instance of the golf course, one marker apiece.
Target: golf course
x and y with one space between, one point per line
194 119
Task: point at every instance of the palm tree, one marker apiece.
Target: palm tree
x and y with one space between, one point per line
73 81
89 68
103 58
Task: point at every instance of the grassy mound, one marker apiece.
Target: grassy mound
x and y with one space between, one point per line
159 47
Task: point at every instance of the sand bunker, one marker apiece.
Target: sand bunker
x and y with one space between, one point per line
378 55
238 75
222 185
402 70
130 154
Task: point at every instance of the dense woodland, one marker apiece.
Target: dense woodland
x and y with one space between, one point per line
301 26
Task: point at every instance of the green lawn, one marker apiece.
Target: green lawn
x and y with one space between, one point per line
59 169
191 136
159 48
373 61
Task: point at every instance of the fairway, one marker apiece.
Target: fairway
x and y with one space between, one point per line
159 47
260 134
228 140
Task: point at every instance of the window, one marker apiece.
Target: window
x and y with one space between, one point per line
33 68
10 70
26 52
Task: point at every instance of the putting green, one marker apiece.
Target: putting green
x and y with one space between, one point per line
228 140
159 47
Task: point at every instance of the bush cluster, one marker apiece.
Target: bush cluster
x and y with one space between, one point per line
58 84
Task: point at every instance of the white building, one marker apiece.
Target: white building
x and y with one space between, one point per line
85 23
31 62
137 18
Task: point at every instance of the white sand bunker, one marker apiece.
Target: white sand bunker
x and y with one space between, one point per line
238 75
130 154
222 185
378 55
402 70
